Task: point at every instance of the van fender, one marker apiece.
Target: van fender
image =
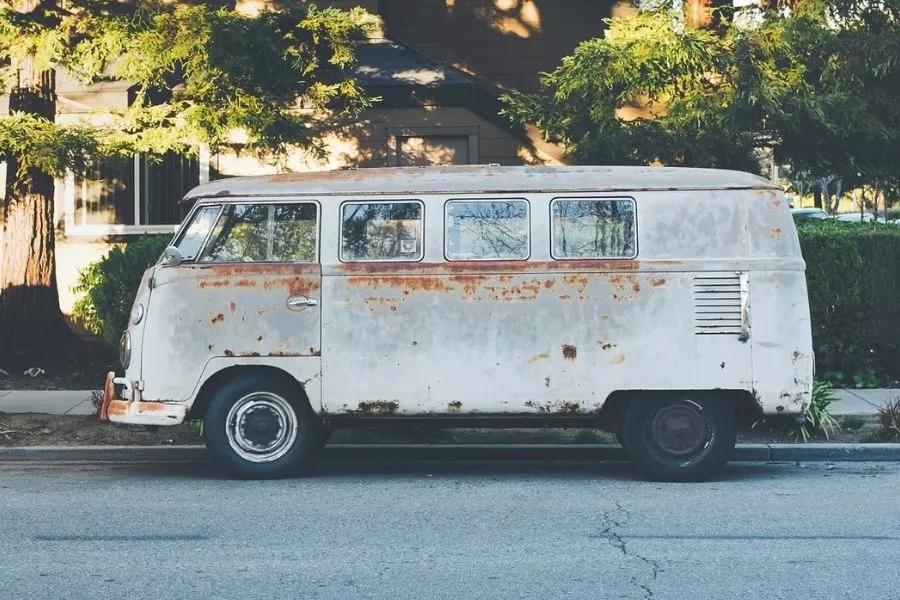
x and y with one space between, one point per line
306 370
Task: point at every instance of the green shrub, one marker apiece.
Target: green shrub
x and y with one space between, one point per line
889 421
853 277
110 284
818 419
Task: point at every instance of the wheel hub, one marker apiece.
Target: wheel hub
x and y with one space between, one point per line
679 429
261 426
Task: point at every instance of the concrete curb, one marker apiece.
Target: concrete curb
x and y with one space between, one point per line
454 452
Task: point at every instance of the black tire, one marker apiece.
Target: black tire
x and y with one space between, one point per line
259 427
679 438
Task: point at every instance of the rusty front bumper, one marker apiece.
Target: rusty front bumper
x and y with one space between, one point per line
135 411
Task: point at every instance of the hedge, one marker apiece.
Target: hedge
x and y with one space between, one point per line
853 278
110 284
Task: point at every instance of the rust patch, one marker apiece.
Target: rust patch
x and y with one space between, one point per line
558 406
539 357
233 307
278 354
219 318
604 318
454 406
212 283
378 407
569 352
565 297
411 283
636 288
579 282
657 282
501 267
210 347
231 269
259 338
150 407
605 345
229 353
549 284
619 359
776 233
469 283
263 311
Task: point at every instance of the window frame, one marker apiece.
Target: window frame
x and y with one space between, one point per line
528 220
552 235
135 228
395 133
340 240
239 201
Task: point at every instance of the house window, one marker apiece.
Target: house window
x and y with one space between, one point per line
423 146
163 184
417 151
138 195
104 195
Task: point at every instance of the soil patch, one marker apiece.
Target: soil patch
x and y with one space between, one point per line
58 430
30 429
80 363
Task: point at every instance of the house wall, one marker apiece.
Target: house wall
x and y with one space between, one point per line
506 43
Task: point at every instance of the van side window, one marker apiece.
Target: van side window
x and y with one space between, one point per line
485 230
593 228
264 233
381 231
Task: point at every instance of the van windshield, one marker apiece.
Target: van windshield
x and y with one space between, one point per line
198 229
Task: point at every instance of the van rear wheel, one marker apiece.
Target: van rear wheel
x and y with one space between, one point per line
261 428
673 438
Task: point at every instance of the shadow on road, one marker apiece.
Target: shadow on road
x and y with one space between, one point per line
329 470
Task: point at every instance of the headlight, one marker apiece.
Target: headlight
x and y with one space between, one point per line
125 350
137 313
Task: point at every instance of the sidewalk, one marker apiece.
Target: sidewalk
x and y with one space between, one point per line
849 402
53 402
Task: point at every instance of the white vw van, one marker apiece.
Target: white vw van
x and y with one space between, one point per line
667 305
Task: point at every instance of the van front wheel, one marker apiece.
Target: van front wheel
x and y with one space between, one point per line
259 428
679 438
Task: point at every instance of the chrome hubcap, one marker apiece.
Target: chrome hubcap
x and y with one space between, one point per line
261 427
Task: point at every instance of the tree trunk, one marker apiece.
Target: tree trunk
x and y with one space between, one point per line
29 298
817 199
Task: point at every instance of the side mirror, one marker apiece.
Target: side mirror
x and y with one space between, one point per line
172 256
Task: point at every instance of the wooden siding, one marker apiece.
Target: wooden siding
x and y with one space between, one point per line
506 43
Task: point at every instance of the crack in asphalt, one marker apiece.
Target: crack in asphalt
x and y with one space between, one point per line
617 518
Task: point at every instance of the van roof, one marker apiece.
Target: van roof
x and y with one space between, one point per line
475 179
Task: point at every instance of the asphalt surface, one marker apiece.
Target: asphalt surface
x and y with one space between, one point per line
448 530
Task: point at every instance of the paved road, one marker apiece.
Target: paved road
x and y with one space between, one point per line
457 531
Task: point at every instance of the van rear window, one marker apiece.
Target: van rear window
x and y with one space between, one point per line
593 228
381 231
486 230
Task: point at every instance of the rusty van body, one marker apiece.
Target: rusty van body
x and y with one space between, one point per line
668 305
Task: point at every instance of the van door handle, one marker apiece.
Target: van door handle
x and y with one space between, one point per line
301 302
